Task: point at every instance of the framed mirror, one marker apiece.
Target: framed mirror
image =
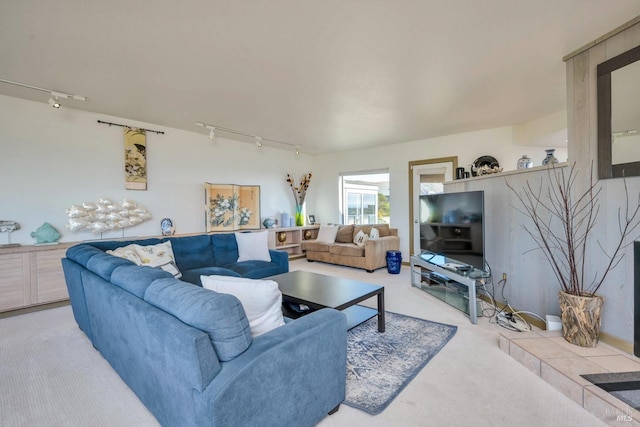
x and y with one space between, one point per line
619 115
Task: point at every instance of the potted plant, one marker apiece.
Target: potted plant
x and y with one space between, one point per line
563 218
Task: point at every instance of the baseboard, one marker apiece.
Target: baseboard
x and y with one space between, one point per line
616 342
33 308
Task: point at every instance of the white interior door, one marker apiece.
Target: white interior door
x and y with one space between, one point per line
424 176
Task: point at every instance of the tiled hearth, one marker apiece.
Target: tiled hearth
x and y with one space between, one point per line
548 355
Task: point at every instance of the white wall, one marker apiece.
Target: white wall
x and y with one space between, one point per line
51 159
626 149
531 284
545 131
467 146
618 312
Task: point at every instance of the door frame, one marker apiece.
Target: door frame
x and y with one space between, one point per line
412 164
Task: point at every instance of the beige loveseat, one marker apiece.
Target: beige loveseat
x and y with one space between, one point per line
343 251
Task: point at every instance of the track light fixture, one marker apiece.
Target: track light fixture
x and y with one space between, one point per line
67 96
258 139
54 99
54 102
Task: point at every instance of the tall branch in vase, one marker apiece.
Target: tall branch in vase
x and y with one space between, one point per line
563 217
299 193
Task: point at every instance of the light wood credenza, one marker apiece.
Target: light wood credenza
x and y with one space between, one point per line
32 275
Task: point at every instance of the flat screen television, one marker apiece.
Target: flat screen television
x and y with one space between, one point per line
451 224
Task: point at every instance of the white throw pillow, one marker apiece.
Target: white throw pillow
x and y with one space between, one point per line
360 238
327 234
160 256
127 252
261 300
253 246
374 233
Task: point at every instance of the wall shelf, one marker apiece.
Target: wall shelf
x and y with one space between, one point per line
510 172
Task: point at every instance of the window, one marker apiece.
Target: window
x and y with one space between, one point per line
431 183
365 198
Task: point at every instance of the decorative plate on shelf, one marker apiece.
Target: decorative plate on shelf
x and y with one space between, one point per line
166 225
481 161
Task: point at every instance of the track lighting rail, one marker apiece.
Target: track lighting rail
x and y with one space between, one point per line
53 93
159 132
258 139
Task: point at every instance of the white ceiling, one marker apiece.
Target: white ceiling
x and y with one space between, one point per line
328 75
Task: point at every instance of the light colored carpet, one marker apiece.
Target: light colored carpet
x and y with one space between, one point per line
50 375
380 365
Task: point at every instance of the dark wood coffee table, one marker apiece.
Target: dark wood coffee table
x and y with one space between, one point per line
320 291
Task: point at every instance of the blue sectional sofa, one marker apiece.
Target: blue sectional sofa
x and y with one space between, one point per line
187 352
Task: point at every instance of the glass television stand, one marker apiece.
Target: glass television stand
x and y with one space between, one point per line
449 280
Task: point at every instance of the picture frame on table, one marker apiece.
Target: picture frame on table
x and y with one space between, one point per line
312 219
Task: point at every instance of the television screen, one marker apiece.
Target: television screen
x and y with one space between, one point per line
451 224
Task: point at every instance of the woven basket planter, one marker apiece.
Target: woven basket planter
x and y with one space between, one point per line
581 318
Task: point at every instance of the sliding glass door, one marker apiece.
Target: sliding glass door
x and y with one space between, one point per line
364 197
362 206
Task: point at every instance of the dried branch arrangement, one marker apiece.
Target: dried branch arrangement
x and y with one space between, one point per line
299 191
563 221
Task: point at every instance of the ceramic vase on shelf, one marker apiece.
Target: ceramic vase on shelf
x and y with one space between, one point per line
299 216
284 219
550 159
524 162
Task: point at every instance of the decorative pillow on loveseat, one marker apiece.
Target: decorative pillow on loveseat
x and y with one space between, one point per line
327 234
374 233
383 229
261 300
345 234
360 238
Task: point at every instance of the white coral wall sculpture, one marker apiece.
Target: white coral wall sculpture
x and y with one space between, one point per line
105 215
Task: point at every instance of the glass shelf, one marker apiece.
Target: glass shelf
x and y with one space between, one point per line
449 280
454 296
453 266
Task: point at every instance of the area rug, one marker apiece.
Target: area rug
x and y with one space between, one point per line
622 385
380 365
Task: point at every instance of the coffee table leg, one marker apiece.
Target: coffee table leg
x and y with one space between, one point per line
381 311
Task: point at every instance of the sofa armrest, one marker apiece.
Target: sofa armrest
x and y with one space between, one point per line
380 246
296 369
281 258
375 251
